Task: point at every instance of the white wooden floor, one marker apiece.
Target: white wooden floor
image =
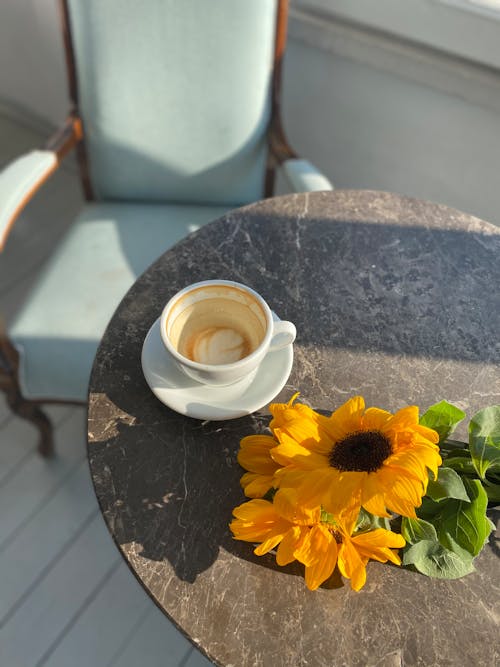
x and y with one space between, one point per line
67 599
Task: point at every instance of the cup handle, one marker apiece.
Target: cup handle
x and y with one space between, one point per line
284 334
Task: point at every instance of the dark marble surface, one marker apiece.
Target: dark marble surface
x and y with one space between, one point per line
395 299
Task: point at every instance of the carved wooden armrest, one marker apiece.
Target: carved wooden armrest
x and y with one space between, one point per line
22 177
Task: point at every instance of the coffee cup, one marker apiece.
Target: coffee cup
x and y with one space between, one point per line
219 331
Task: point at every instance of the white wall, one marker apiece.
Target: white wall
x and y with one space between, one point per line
369 128
369 112
32 65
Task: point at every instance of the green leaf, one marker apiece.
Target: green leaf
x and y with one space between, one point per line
326 517
484 439
454 448
492 491
493 476
465 523
435 560
428 509
414 530
461 465
367 521
458 447
447 485
443 417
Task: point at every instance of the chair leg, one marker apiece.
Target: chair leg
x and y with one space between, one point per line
21 406
30 411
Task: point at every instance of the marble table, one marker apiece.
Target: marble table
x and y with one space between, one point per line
394 298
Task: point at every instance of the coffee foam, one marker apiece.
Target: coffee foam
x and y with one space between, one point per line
217 326
216 345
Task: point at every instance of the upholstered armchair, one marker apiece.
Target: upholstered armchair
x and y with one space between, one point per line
175 119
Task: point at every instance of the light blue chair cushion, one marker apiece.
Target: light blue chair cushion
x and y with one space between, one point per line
175 97
60 326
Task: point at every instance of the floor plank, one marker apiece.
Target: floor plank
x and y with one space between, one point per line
33 483
196 659
33 552
155 643
53 605
19 439
17 444
5 412
103 625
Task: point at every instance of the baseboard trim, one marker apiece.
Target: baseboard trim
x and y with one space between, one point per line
474 83
25 117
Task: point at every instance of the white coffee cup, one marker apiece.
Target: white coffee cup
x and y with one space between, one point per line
219 331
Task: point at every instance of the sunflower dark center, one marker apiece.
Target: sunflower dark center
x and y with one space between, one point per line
364 451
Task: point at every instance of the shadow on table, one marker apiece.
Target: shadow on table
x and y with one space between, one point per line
363 285
173 502
360 285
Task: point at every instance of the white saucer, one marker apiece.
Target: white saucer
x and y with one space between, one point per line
173 388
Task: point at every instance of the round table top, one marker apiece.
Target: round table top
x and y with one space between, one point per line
395 299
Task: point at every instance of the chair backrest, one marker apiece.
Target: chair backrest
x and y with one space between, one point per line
175 96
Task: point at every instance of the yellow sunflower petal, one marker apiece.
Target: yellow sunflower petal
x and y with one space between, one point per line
287 505
273 538
415 460
372 496
402 493
428 433
291 541
351 564
284 413
311 486
403 483
429 454
345 522
304 552
319 557
303 424
254 454
255 510
404 418
379 538
347 418
319 572
256 486
344 492
290 451
378 545
290 477
256 520
374 419
316 488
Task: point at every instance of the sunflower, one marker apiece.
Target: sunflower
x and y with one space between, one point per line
355 458
315 539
